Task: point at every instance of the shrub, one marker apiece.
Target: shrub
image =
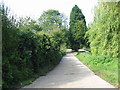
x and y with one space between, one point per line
26 53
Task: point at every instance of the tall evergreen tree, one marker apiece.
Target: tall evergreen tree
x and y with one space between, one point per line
77 28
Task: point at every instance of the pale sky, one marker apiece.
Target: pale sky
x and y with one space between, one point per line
34 8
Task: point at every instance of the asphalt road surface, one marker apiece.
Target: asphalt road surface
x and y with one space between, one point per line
70 73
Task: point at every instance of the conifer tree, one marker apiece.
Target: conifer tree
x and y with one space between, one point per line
77 28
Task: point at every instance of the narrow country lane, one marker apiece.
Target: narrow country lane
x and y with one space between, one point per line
70 73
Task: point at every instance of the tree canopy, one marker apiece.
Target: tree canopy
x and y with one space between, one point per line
52 19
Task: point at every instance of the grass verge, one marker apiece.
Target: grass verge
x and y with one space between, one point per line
105 67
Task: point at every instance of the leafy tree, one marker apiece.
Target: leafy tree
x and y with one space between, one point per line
52 19
54 23
28 24
77 28
104 32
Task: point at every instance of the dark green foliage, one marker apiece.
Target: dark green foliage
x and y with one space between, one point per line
9 44
77 29
76 14
26 51
104 32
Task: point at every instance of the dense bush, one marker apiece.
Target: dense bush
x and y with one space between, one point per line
104 31
26 52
